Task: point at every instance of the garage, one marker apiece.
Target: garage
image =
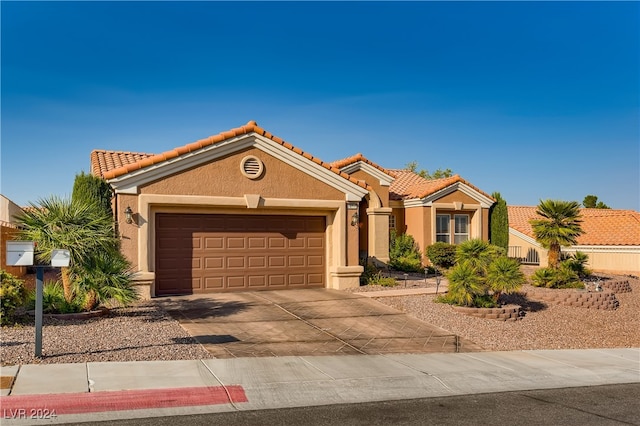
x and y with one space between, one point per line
206 253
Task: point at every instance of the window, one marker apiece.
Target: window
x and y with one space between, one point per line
442 228
461 228
392 222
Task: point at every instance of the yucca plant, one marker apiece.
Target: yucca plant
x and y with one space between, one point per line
465 284
504 276
105 276
478 253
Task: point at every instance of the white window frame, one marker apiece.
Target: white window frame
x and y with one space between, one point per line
392 221
443 235
460 237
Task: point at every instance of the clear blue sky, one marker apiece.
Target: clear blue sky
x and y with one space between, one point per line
535 100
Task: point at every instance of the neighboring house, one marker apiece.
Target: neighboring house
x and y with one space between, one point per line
611 239
448 209
8 230
245 210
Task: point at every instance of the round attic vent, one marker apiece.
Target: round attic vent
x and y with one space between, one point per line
251 167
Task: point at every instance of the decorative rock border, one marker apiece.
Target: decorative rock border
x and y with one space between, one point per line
577 298
617 286
505 313
76 316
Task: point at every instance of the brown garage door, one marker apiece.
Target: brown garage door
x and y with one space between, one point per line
199 253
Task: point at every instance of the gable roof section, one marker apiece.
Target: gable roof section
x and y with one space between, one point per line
602 227
120 167
360 162
411 186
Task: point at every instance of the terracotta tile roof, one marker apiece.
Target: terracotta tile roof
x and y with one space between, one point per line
110 164
359 157
409 185
602 227
105 161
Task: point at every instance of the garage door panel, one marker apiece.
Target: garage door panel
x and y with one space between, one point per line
212 243
277 243
256 243
214 283
257 281
236 243
257 262
315 279
237 281
212 253
235 262
277 261
214 263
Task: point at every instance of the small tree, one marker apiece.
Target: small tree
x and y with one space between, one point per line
93 190
591 202
499 222
424 173
558 226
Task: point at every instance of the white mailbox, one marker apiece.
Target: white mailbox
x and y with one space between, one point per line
20 253
60 258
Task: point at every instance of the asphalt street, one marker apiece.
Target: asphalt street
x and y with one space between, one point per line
579 406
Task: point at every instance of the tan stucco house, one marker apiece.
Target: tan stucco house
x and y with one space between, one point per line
245 210
611 239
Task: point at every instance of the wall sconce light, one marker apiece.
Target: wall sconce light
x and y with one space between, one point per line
355 219
128 215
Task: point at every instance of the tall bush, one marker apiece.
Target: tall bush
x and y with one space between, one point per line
404 253
92 190
499 222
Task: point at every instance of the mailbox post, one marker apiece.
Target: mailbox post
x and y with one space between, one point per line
21 253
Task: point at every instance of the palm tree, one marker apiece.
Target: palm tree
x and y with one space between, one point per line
61 223
559 226
504 276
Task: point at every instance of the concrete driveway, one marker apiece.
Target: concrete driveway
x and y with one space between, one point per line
305 322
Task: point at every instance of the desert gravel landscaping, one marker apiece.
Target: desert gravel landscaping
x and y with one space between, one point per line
146 332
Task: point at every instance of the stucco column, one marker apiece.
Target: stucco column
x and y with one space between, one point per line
378 223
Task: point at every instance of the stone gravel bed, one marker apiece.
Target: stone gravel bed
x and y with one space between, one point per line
146 332
544 326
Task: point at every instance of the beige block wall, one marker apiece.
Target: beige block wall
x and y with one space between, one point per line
624 261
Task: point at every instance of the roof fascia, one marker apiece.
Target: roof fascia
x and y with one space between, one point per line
483 200
524 237
383 178
129 183
352 191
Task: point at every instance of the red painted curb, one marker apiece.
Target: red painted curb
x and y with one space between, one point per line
92 402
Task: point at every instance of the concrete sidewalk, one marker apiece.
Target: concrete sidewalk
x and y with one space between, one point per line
62 393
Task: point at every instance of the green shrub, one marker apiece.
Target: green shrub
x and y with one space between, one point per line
12 295
441 255
373 276
53 301
404 253
563 277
